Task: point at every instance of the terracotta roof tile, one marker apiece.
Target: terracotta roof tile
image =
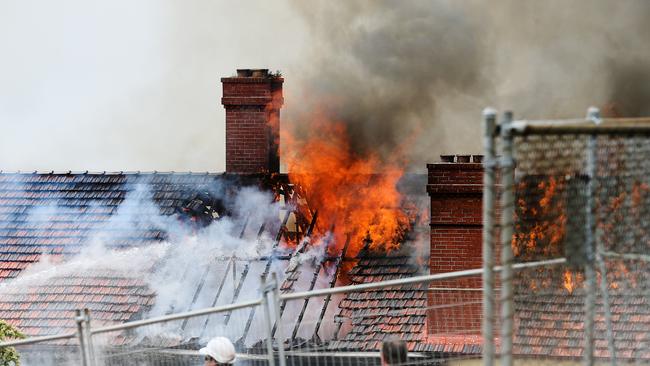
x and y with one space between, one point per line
552 321
49 307
376 314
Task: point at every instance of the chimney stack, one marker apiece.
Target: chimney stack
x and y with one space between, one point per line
455 186
252 100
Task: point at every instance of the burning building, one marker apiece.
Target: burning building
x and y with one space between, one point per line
129 245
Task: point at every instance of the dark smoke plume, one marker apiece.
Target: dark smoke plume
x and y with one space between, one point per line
416 74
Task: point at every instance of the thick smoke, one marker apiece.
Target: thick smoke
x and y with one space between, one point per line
415 75
145 95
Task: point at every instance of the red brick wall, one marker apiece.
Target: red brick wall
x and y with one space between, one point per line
456 191
252 123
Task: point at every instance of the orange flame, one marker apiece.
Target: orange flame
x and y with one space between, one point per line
355 195
569 283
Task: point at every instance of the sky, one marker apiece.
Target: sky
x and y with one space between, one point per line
129 85
135 85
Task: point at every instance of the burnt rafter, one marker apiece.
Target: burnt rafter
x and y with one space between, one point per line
243 276
205 275
314 278
265 274
292 269
295 198
203 208
216 296
328 298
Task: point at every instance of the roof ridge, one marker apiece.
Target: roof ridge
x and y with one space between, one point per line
121 172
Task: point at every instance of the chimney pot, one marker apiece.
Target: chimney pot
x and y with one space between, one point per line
244 73
260 73
462 158
447 158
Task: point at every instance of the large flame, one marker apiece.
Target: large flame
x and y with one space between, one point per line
541 227
355 195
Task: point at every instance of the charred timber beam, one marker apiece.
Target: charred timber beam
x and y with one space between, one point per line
301 249
265 274
231 262
314 278
216 297
319 266
238 290
196 295
328 298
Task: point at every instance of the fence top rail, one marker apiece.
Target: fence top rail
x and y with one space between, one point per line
605 126
295 353
296 295
413 280
178 316
32 340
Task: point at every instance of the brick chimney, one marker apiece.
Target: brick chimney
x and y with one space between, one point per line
252 101
455 186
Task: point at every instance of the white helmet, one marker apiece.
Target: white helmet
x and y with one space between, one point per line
221 349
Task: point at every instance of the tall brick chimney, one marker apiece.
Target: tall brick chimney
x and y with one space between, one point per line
252 101
455 186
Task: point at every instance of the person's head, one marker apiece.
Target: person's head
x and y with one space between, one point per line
219 351
393 352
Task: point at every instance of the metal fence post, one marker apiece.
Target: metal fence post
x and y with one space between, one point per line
276 305
79 318
590 273
507 206
267 319
90 348
593 114
489 164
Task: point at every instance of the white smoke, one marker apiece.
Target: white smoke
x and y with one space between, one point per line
173 268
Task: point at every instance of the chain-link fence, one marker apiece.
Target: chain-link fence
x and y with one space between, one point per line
565 253
61 351
425 320
566 217
166 340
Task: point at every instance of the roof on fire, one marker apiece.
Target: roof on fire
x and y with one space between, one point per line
56 214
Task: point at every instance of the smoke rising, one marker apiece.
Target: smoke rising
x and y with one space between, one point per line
415 75
128 86
144 95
